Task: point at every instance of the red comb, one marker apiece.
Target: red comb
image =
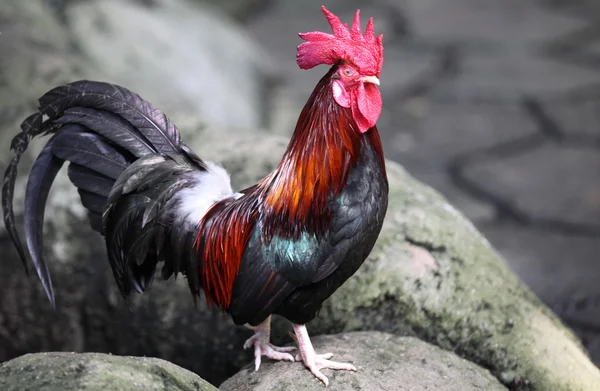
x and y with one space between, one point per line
365 51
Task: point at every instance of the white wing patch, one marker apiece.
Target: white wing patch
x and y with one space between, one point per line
212 186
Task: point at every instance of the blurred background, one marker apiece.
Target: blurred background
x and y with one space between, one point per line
496 104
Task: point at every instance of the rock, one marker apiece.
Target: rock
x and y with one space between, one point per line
431 275
170 52
508 178
96 372
182 56
384 362
239 9
26 74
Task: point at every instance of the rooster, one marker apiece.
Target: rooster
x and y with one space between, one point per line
282 246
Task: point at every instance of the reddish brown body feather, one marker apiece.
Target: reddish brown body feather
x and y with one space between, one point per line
222 238
290 200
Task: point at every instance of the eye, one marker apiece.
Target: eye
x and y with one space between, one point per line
348 72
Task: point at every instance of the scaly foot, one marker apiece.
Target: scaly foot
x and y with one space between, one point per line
262 346
315 362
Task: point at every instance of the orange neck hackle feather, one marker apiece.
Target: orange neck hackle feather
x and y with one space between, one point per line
292 199
326 144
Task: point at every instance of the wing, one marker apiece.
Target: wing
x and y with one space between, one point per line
272 271
259 285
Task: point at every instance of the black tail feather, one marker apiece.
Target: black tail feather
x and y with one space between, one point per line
123 230
96 222
153 236
31 127
111 126
142 166
101 129
151 122
92 202
141 276
143 232
90 180
89 150
42 175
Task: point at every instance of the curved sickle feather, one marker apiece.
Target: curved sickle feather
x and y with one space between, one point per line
31 126
111 126
42 174
8 191
152 123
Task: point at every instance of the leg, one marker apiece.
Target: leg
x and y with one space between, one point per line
262 346
316 362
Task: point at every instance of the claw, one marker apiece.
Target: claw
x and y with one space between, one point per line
315 362
271 351
321 361
262 346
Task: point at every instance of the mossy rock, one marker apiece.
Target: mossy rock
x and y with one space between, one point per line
431 275
96 372
434 276
383 361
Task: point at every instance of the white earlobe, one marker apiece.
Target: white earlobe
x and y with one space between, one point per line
340 94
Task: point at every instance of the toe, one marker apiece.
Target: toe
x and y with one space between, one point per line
257 357
320 376
285 349
340 366
280 356
250 342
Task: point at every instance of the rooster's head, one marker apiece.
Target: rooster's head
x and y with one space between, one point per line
358 59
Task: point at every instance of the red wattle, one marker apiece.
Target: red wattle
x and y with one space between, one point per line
366 106
361 121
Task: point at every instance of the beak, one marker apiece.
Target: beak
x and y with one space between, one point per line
370 79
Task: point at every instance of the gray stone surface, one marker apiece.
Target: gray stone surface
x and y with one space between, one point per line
96 372
25 73
539 257
545 171
385 362
239 9
172 53
576 112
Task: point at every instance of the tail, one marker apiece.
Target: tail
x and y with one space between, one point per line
101 129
